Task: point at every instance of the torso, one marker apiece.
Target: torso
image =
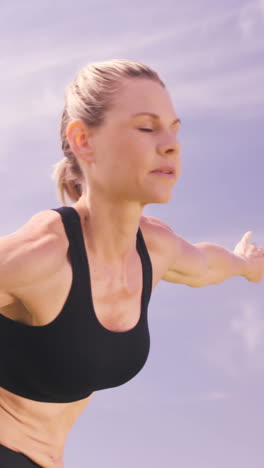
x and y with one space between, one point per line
31 427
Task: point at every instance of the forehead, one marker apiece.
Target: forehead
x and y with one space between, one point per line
137 94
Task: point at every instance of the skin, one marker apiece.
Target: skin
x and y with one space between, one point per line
117 160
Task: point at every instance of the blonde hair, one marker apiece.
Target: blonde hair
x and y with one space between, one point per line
90 95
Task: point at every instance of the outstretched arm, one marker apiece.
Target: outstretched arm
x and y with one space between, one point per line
205 264
246 260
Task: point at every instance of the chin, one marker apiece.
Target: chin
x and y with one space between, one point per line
165 198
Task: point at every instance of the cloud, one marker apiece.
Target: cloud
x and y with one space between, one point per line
50 54
215 396
203 73
251 19
240 347
249 328
238 92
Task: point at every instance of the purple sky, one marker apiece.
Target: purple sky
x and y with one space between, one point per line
198 402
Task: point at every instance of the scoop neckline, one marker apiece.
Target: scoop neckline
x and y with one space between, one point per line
87 267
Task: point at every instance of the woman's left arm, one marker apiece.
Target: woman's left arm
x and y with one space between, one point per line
246 260
205 264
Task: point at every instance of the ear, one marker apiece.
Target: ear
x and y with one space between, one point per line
80 139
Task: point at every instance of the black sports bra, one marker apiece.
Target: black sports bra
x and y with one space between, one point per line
74 355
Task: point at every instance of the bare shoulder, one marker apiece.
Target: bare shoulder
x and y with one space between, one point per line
162 244
30 253
159 237
42 233
156 232
185 261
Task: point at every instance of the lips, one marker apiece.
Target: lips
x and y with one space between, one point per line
165 168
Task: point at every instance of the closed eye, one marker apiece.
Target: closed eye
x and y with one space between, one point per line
146 129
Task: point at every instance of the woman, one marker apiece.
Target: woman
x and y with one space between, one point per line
75 282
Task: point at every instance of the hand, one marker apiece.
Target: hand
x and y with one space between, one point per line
254 256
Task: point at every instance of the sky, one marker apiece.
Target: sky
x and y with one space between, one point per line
198 401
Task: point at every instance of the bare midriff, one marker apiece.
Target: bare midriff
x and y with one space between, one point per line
32 428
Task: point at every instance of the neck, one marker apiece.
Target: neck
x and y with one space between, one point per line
110 229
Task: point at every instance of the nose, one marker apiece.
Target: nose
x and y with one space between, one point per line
174 148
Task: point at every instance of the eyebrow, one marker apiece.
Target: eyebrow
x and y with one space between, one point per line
155 116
